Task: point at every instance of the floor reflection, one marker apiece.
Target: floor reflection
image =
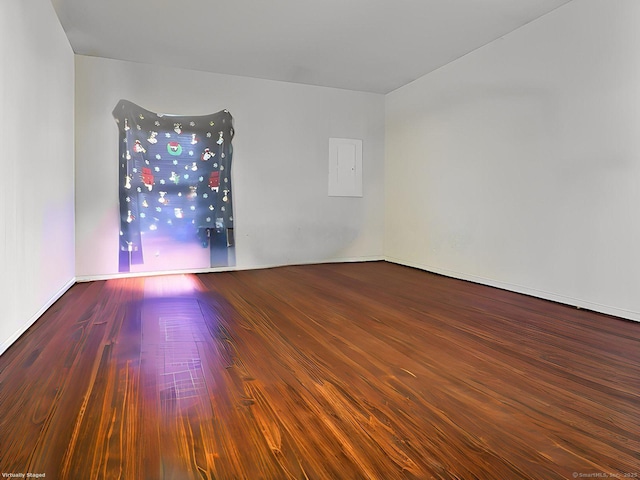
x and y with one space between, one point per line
172 326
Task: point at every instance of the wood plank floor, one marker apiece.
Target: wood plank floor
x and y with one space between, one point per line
345 371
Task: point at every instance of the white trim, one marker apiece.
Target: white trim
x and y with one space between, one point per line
554 297
91 278
18 333
596 307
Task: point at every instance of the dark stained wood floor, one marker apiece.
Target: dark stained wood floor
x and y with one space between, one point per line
346 371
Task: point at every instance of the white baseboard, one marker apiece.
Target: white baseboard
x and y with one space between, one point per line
9 341
575 302
111 276
554 297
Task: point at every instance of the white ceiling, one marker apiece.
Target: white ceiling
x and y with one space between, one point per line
367 45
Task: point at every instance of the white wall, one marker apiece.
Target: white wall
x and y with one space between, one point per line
36 134
282 212
518 165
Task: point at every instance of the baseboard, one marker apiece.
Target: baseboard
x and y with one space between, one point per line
8 342
554 297
111 276
372 258
575 302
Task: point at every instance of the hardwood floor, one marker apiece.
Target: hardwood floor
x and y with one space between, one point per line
339 371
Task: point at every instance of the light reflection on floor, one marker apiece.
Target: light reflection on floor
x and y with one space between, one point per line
172 327
171 286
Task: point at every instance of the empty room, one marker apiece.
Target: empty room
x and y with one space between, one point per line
320 240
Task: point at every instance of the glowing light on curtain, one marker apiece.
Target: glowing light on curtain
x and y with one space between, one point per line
175 177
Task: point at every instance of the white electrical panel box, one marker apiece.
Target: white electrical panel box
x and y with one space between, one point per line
345 167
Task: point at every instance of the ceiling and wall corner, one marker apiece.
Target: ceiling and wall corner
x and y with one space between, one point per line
386 49
364 45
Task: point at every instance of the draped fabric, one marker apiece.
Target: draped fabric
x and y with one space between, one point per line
175 176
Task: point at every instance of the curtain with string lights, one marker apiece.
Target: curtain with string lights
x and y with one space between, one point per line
175 176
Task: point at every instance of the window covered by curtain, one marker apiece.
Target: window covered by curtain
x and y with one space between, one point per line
175 180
